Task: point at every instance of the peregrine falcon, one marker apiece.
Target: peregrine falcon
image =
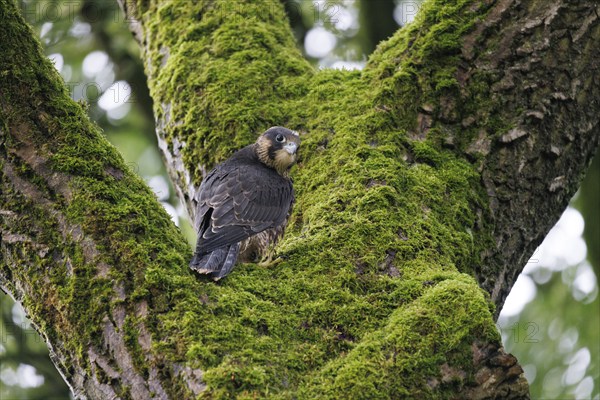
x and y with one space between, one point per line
243 204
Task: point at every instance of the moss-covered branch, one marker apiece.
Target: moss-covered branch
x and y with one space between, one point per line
85 246
408 200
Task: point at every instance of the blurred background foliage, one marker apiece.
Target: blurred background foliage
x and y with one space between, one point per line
551 320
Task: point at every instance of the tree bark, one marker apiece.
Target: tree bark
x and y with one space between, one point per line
425 183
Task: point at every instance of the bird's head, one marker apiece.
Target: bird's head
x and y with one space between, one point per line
278 148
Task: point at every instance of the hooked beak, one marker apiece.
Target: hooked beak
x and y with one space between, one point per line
291 147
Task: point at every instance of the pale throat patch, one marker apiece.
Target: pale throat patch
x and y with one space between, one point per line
283 160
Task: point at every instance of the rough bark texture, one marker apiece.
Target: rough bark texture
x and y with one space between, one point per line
425 178
81 234
544 87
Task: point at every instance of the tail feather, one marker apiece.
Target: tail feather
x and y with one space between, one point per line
210 262
217 263
229 263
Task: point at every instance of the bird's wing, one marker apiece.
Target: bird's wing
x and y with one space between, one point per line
236 203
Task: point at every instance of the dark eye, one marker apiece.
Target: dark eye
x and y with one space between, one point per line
280 138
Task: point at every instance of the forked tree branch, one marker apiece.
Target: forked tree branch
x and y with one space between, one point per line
431 174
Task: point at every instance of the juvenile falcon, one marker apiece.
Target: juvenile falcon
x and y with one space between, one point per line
244 203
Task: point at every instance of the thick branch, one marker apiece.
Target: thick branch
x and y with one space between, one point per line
546 88
515 93
254 80
83 239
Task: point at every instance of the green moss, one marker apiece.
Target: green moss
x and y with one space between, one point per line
375 292
244 75
396 360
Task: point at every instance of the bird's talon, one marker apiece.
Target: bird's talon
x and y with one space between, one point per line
270 263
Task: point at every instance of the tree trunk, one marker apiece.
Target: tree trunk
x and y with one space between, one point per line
425 183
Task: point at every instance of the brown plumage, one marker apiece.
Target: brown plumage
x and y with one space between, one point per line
244 203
